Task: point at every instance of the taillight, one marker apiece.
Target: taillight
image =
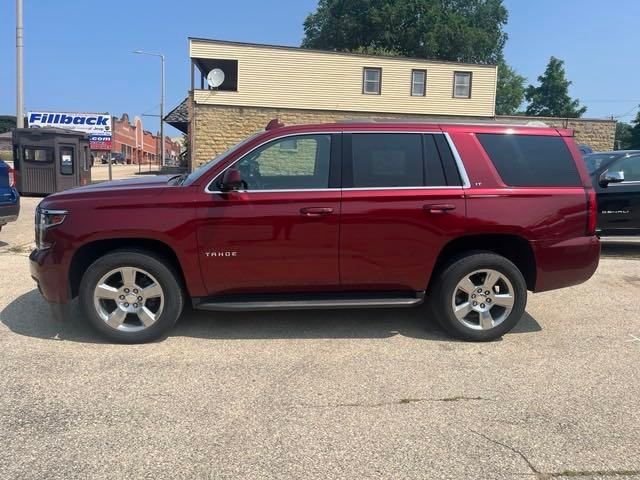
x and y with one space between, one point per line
12 177
592 212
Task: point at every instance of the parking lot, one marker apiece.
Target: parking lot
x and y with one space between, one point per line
100 172
323 394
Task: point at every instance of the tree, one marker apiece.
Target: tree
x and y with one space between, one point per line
623 136
510 90
456 30
551 98
634 141
7 123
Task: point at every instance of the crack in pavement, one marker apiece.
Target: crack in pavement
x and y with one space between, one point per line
566 473
595 473
21 250
514 450
402 401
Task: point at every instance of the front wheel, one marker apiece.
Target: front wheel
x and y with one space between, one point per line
131 296
480 297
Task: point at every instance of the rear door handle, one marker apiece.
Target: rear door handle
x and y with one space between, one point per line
316 211
439 207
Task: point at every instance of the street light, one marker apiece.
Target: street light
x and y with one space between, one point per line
140 52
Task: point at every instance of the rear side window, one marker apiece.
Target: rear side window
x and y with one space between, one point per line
395 160
531 160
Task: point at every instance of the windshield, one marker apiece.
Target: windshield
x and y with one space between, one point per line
205 167
594 161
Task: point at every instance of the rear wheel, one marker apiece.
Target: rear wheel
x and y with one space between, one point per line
480 297
131 296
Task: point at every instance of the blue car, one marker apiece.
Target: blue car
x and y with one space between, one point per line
9 198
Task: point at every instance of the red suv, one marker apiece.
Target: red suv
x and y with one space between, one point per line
348 215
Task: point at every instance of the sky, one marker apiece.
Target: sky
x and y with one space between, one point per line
78 53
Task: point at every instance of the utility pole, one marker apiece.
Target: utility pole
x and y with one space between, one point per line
19 66
140 52
162 164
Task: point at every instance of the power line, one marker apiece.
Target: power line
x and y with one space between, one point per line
627 113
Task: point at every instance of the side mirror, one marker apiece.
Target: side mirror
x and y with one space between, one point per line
232 180
611 177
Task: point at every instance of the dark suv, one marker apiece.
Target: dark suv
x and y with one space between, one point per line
616 180
469 217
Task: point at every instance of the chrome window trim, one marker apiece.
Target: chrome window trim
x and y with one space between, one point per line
283 190
623 184
454 151
444 187
463 172
430 187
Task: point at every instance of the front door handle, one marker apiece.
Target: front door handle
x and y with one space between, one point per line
316 211
439 207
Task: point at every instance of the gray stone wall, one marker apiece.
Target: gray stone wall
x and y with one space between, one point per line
215 128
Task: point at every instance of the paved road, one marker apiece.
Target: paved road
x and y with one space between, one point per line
326 394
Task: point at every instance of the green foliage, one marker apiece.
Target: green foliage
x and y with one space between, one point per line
551 98
456 30
7 123
634 140
623 136
510 90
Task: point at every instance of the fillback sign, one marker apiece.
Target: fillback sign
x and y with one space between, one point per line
96 125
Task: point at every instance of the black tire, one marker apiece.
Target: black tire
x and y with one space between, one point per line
460 267
159 269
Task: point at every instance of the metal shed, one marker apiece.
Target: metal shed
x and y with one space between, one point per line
48 160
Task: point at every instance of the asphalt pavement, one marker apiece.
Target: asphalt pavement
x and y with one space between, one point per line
357 394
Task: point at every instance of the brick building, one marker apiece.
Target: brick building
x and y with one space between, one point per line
138 145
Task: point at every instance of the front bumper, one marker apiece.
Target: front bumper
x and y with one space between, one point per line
50 276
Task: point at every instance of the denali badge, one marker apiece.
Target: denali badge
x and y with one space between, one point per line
221 254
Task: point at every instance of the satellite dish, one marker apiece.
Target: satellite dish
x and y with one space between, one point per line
215 78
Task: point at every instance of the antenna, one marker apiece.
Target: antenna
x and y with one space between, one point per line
215 78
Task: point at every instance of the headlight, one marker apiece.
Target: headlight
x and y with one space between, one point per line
44 220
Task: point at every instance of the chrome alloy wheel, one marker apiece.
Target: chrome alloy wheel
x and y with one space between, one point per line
483 299
128 299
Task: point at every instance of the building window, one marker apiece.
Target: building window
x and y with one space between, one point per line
371 81
66 160
290 145
35 154
418 83
462 85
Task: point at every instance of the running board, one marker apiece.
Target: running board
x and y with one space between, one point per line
237 304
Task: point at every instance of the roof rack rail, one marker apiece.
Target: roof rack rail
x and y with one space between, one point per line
449 120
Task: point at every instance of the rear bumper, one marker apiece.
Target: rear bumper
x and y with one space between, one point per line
50 276
9 212
565 263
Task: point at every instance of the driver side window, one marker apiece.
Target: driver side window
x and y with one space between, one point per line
290 163
630 166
